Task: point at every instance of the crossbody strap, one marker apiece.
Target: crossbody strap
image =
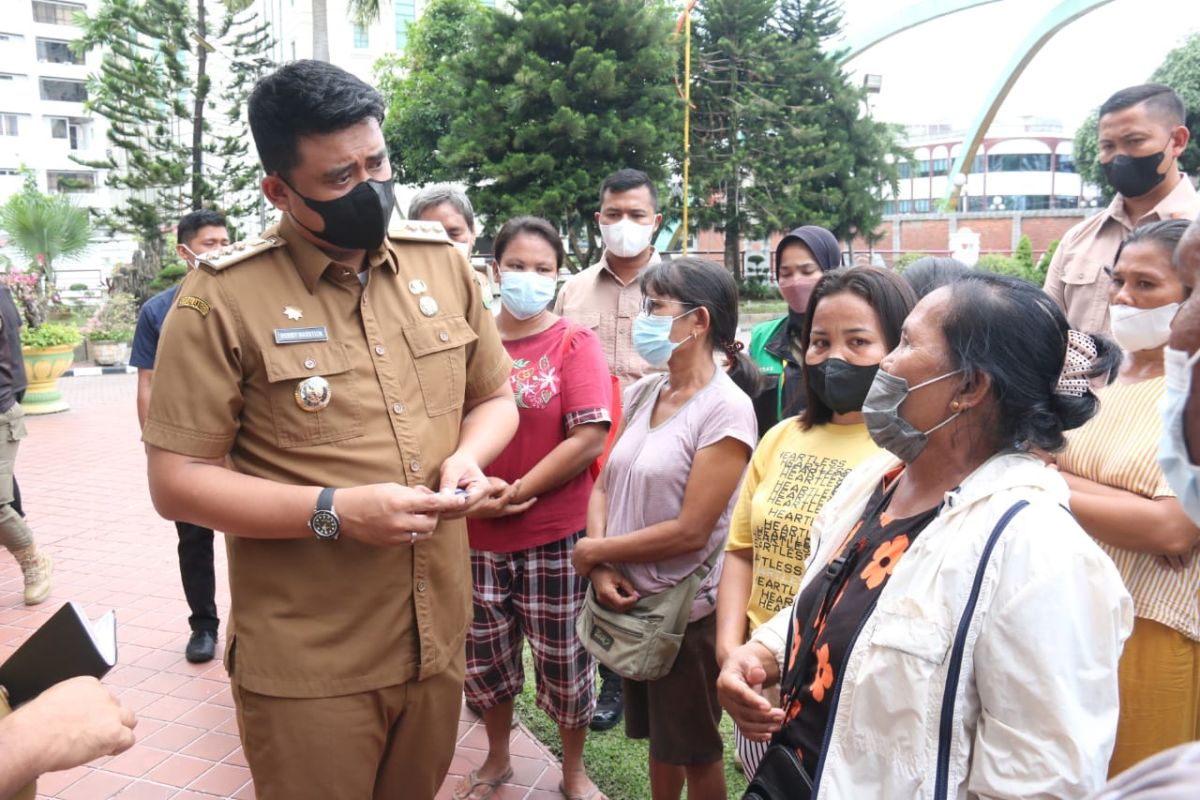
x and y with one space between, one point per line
953 672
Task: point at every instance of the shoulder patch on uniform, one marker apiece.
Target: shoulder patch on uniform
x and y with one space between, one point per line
485 288
240 251
415 230
193 302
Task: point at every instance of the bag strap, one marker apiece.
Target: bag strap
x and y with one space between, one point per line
953 672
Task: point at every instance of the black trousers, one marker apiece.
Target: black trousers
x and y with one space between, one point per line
199 577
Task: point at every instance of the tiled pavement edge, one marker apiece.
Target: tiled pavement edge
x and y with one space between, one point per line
82 476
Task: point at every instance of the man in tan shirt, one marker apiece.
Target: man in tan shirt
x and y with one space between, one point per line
606 296
1141 136
321 393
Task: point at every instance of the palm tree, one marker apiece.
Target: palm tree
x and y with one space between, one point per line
45 228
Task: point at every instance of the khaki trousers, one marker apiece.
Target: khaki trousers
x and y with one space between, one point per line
387 744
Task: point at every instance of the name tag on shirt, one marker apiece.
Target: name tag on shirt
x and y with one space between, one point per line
301 335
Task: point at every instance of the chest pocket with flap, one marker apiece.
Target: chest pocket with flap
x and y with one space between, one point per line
286 366
439 349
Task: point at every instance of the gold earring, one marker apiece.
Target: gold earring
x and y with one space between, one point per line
954 406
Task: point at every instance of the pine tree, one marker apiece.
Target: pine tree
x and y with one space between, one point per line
781 137
541 104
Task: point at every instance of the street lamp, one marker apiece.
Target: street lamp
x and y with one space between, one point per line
997 203
960 182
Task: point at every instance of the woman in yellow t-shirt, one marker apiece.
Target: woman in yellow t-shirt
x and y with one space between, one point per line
854 319
1120 496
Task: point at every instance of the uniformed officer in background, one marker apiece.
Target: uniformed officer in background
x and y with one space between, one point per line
321 393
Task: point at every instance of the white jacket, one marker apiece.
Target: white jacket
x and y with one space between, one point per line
1035 712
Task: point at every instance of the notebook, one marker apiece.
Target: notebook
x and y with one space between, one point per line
67 646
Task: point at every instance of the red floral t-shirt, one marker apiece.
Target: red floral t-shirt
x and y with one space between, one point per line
548 387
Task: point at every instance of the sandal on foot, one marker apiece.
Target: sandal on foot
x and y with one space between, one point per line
593 794
473 782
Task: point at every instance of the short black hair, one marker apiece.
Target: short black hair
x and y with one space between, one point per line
534 226
1166 233
1160 99
933 272
301 99
698 283
191 224
1012 331
884 291
626 180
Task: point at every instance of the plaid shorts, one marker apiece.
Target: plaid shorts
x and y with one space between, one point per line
532 594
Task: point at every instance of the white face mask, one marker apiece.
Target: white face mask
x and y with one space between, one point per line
1142 328
1182 475
463 248
626 238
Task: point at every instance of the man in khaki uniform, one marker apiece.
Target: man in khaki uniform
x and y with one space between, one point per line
1141 137
321 393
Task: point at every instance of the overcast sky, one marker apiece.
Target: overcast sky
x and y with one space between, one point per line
943 70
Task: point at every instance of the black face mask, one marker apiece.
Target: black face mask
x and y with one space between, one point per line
358 220
1134 176
841 385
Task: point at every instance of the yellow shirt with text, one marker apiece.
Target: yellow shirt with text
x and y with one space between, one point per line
792 475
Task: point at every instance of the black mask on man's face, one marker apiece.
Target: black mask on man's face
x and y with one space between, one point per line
358 220
1134 176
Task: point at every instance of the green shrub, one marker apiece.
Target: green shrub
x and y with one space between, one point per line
1001 265
1024 256
756 289
50 334
904 260
79 287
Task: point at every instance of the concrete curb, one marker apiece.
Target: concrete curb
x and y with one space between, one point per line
87 372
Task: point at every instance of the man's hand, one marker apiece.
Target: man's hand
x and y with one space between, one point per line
72 723
742 675
611 588
462 472
498 500
387 514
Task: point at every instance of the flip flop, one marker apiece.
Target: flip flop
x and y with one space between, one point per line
490 785
594 794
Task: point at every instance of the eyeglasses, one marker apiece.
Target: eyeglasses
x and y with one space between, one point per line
651 304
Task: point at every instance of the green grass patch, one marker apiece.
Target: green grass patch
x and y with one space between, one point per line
777 306
619 766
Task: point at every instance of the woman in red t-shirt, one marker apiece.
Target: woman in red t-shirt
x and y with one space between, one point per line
523 537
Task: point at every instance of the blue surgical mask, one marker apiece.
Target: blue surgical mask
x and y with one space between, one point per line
1182 475
525 294
652 337
881 413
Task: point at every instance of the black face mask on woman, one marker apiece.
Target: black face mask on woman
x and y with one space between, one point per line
841 385
358 220
1134 176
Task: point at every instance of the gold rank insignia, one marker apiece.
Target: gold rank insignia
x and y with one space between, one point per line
293 313
195 303
416 230
239 251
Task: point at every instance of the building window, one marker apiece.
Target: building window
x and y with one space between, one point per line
921 206
905 206
889 207
941 166
1066 201
9 125
65 128
406 14
11 37
361 40
70 181
9 171
1064 163
904 170
55 12
1027 162
68 91
977 164
922 170
53 51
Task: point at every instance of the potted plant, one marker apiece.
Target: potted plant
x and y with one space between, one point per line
110 330
49 351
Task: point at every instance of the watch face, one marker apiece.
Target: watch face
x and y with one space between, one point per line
325 524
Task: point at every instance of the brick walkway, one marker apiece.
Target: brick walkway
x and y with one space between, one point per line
82 476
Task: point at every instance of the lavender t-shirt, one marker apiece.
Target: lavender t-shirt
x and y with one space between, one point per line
647 473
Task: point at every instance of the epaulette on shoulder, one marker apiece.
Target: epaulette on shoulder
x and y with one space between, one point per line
415 230
238 252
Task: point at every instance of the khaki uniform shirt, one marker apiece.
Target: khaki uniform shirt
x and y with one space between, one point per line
597 298
317 618
1076 278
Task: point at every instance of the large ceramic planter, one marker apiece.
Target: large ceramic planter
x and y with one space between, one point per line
108 353
43 367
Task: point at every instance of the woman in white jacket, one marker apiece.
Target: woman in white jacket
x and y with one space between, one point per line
959 634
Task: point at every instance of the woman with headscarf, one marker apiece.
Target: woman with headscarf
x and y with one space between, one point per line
801 258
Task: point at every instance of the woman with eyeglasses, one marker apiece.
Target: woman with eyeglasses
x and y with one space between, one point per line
1120 497
660 509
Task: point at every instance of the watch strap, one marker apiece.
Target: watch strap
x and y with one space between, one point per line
325 499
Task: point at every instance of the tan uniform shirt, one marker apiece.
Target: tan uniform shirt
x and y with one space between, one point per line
597 298
1076 278
321 618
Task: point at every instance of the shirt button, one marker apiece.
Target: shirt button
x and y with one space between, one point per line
309 363
420 586
398 408
443 336
415 465
379 350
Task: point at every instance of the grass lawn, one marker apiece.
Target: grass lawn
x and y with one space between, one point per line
777 306
619 766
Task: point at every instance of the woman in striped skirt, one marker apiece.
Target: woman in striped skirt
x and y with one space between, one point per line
1120 497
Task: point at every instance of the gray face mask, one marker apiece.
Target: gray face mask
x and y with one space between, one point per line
881 413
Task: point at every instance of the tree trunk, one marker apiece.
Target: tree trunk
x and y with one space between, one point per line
320 31
198 198
733 234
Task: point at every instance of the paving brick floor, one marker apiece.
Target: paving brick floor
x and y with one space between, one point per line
82 476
